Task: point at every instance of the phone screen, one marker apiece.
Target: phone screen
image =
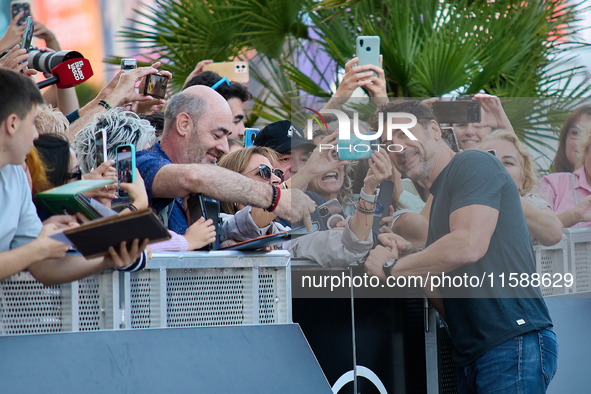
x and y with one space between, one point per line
28 36
249 136
155 85
17 7
125 167
460 111
449 135
195 208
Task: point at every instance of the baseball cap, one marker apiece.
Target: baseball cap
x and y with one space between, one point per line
282 136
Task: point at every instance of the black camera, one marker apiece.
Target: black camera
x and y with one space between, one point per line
47 61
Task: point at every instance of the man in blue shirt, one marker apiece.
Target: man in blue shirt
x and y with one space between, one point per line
197 123
503 342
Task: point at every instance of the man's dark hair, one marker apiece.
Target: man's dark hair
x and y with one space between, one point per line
209 78
17 94
156 119
423 113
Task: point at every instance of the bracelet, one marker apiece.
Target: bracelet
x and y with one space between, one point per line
105 104
132 207
366 211
371 198
275 201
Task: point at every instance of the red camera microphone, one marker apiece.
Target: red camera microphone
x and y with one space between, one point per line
68 74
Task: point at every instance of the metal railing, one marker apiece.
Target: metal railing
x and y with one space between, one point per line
175 290
208 288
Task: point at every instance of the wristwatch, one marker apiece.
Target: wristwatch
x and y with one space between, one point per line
387 267
370 198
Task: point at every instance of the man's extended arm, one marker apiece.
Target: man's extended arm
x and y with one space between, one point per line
471 229
179 180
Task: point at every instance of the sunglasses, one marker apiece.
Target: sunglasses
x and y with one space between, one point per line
221 81
75 175
266 172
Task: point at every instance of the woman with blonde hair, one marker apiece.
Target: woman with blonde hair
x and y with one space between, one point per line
544 226
569 194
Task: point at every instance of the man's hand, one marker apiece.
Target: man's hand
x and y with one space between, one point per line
394 241
294 206
125 257
375 262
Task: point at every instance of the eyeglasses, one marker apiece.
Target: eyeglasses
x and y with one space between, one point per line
266 172
77 175
221 81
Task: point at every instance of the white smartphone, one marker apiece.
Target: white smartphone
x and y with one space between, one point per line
368 51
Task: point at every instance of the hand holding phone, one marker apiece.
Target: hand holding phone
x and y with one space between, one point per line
155 86
459 111
331 213
367 49
125 163
234 71
16 7
28 36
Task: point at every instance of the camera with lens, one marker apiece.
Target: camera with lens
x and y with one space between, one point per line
47 61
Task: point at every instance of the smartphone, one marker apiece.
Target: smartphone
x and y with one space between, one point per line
125 162
459 111
100 147
368 51
18 6
234 71
212 211
449 136
355 148
155 85
128 64
195 208
28 36
383 205
249 136
331 213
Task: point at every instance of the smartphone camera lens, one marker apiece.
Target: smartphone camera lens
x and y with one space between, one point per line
243 66
324 211
361 43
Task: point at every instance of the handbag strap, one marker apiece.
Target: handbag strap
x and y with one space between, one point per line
575 194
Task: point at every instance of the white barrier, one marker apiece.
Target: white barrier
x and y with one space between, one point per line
175 290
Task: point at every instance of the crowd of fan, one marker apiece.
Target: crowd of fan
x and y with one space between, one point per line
194 146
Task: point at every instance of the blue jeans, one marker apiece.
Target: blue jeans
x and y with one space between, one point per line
522 365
